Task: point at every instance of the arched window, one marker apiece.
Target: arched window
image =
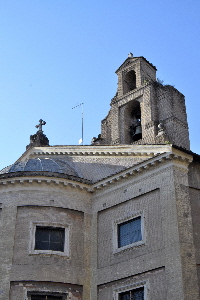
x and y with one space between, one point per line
135 127
129 81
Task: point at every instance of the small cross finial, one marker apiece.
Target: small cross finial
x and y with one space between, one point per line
41 122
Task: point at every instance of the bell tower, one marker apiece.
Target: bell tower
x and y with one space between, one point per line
133 73
144 111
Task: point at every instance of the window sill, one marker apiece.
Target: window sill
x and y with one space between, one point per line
49 252
133 246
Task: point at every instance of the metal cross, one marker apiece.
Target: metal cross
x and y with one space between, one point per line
40 125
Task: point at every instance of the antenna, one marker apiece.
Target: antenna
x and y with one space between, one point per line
81 104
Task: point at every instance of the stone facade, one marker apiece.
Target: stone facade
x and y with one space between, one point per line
90 192
148 101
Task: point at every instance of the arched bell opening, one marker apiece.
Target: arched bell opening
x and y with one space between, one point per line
129 82
131 129
135 127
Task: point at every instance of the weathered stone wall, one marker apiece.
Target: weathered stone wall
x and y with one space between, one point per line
185 229
157 191
158 103
109 183
194 184
161 195
28 264
25 203
144 71
151 281
23 289
172 112
148 206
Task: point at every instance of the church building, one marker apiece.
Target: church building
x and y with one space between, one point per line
114 220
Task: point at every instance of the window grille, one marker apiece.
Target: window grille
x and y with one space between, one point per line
136 294
49 238
129 232
46 297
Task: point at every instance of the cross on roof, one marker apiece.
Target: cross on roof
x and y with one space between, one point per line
41 122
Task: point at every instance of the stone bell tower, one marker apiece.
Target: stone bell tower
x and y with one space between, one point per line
144 111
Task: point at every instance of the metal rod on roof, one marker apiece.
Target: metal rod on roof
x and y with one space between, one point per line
81 140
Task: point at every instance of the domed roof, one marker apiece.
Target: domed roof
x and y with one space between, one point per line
41 164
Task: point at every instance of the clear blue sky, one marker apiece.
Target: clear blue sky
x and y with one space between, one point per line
55 54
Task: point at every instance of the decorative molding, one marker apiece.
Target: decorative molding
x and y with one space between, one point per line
66 227
43 174
35 180
133 59
89 150
131 286
126 63
83 184
132 95
92 153
141 167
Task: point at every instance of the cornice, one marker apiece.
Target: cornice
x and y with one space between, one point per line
48 181
134 94
91 153
128 61
132 60
141 168
23 178
43 174
94 150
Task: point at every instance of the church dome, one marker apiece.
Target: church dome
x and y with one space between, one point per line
41 164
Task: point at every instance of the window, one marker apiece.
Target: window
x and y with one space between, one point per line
136 294
132 291
135 120
46 297
49 238
129 81
129 232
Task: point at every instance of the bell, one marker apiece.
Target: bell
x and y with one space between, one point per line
138 130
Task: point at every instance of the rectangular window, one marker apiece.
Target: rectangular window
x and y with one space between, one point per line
49 238
46 297
129 232
136 294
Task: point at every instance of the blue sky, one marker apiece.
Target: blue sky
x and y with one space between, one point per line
56 54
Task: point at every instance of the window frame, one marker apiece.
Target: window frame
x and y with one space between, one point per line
33 226
46 293
130 287
124 219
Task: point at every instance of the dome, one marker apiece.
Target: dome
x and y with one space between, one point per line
41 164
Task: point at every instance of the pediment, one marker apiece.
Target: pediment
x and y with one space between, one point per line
126 63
